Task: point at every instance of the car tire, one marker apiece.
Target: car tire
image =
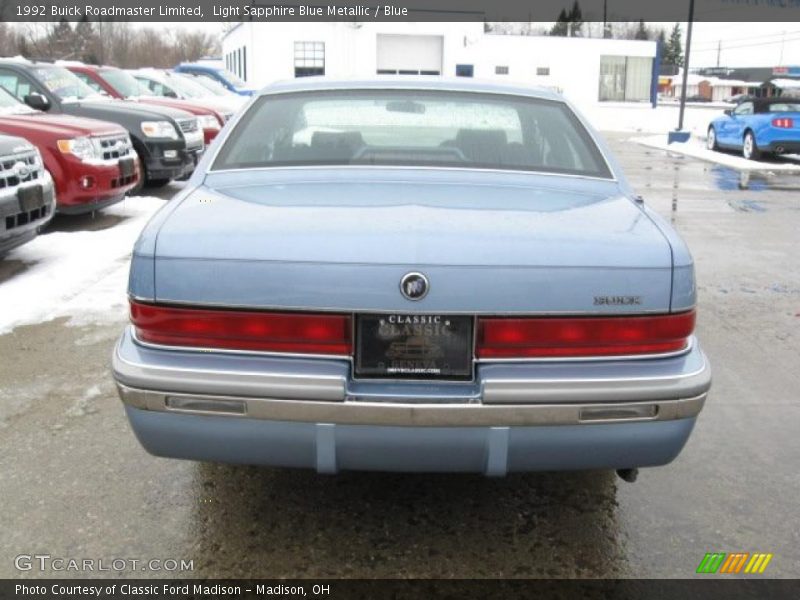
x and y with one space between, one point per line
749 147
711 139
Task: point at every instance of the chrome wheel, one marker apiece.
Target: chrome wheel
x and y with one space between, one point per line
711 139
749 150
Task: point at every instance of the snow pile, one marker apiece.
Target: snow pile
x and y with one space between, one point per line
695 148
643 118
80 274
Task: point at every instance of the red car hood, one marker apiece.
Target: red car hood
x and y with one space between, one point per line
59 125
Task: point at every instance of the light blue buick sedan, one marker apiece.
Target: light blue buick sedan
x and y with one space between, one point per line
408 275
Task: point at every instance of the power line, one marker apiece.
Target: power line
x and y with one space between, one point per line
718 39
734 47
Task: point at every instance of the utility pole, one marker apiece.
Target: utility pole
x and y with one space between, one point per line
686 66
719 51
605 19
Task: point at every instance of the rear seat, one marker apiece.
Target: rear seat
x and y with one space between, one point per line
489 146
325 145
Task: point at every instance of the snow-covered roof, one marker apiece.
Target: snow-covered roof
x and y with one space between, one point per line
786 84
695 79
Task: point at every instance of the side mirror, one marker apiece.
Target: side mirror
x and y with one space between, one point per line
170 94
37 101
728 112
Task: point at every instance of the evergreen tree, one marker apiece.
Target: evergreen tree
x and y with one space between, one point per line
62 41
576 18
673 51
560 28
569 23
86 41
641 32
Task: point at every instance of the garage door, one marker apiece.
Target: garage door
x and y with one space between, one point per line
409 54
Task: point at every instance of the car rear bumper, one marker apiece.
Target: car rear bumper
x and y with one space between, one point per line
783 147
309 413
329 448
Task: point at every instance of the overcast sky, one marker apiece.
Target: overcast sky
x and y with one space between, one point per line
741 44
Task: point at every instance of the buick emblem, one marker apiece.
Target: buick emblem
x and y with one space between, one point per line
414 286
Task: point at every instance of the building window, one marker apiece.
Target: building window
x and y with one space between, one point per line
625 78
501 70
405 72
464 70
543 71
309 58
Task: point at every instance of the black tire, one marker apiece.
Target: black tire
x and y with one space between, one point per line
711 139
749 147
157 183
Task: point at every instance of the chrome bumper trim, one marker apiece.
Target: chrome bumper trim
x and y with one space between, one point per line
502 390
412 415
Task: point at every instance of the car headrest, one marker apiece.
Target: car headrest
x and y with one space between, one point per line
337 139
480 137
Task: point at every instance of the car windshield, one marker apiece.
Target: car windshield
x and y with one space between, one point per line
9 105
212 85
125 83
186 86
64 84
412 128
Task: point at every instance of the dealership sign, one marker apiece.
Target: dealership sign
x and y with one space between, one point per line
786 71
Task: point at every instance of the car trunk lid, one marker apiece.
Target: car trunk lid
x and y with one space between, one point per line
327 240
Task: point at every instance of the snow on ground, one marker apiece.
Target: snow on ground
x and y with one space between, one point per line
643 118
80 274
695 148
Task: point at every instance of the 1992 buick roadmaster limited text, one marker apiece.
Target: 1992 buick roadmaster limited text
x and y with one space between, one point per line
411 276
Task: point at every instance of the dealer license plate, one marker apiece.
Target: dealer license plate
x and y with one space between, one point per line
414 346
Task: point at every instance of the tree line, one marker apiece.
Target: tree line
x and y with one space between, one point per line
570 23
119 44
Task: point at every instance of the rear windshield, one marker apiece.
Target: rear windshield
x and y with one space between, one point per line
411 128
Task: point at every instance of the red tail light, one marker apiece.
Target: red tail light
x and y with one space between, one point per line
242 330
783 123
583 336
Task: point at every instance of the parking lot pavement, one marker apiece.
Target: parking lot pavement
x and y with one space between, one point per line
76 483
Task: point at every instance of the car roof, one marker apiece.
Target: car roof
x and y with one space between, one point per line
763 104
401 82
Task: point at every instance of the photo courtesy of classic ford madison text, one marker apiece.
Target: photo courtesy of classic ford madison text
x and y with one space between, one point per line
373 299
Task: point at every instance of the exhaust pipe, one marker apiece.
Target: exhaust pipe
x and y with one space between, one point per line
628 475
779 150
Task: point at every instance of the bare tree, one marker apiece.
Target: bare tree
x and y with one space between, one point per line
110 43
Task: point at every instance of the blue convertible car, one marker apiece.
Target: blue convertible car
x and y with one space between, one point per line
411 275
758 126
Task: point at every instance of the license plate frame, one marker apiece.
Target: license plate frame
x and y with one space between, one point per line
30 198
416 347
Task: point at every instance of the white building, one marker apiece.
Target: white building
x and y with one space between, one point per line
586 70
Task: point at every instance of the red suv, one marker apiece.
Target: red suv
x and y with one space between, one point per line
92 162
121 84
